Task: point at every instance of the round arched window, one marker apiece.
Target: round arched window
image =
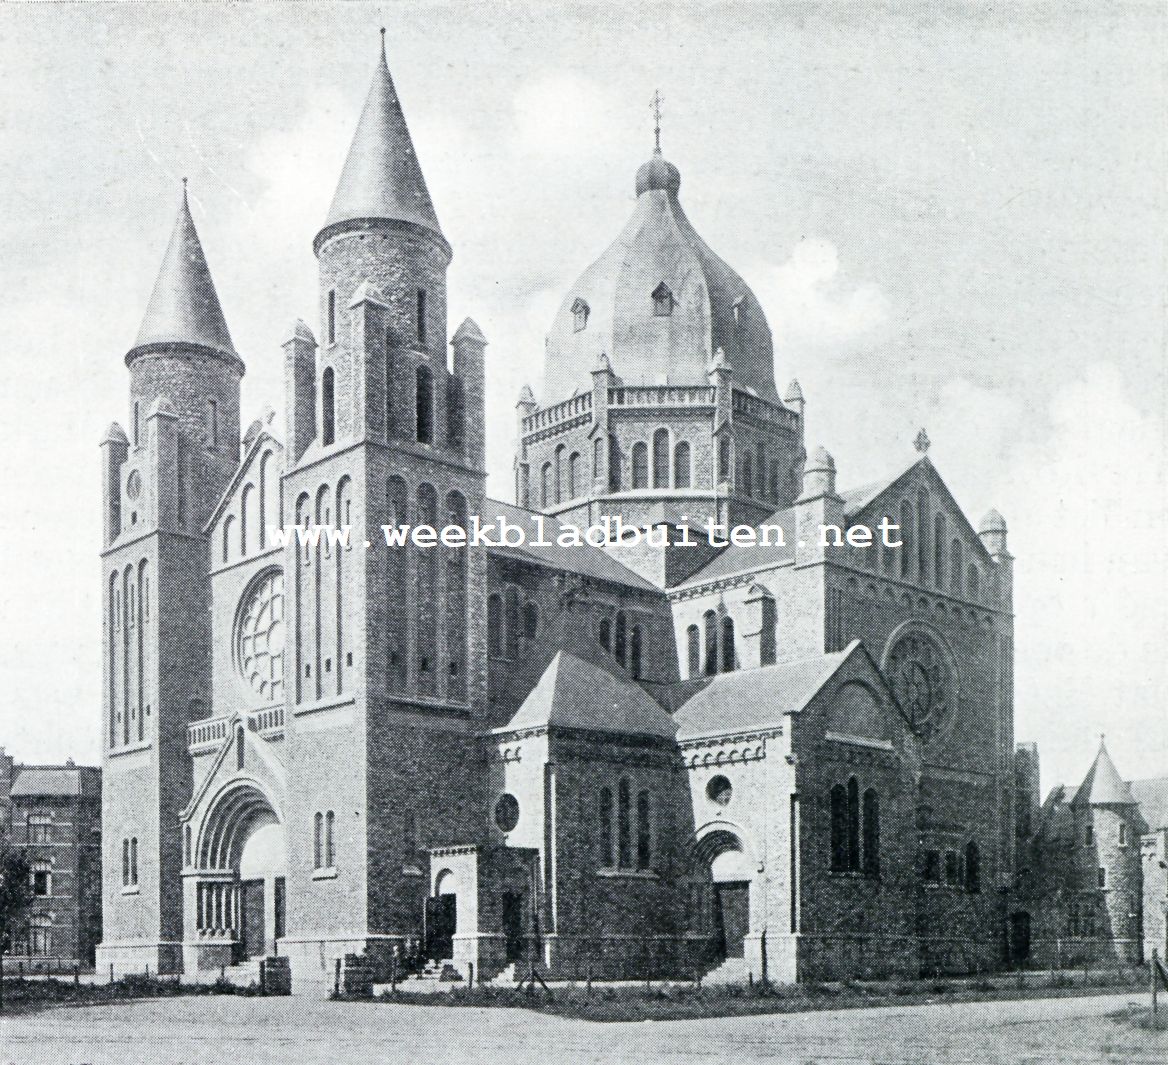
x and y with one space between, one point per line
922 681
507 812
719 790
259 639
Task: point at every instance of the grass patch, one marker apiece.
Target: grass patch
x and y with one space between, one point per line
25 996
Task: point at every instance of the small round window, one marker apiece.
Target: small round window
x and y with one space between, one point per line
719 790
507 812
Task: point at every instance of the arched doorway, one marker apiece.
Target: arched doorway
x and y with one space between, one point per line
722 871
240 863
442 917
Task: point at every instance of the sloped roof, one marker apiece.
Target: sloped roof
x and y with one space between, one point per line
36 780
1103 786
757 698
578 694
382 177
1152 796
184 306
584 560
750 557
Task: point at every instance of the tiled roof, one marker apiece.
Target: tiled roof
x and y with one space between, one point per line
756 698
747 558
578 694
584 560
47 780
1152 795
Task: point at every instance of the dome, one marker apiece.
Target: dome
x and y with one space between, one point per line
659 302
992 522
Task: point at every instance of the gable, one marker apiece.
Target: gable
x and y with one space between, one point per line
251 504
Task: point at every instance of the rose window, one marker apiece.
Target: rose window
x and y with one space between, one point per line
259 648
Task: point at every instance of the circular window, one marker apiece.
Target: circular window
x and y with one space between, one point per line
507 812
259 639
921 680
719 790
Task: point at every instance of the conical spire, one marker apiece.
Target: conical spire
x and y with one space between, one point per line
382 177
184 307
1103 786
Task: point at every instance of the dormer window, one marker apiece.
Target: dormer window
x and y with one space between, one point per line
662 301
579 315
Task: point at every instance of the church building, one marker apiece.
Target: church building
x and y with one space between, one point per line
789 759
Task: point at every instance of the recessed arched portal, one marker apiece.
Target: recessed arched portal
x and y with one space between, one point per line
241 865
721 872
442 917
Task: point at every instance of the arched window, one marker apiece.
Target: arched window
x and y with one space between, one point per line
330 853
906 534
125 863
331 319
644 831
239 747
939 549
760 472
604 634
728 656
561 472
871 833
635 652
681 469
318 841
574 475
530 621
228 533
972 868
597 457
661 458
495 625
624 824
768 643
579 315
614 463
922 535
955 566
455 413
724 472
839 829
747 475
605 812
972 581
662 301
424 406
420 317
133 859
853 825
640 465
328 406
620 643
710 623
545 484
694 640
186 845
511 622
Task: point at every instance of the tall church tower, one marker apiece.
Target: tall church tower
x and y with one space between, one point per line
387 670
160 483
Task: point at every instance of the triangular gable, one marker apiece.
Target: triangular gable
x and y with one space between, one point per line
250 457
863 506
272 771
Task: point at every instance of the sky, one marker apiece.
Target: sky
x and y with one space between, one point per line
953 216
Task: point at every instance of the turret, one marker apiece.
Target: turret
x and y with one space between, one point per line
793 398
817 506
469 388
114 449
992 531
299 390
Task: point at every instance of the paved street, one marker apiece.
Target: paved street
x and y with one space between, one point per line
243 1031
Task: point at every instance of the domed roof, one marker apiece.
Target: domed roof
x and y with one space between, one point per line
992 522
658 303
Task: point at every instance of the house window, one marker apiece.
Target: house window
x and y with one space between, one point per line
40 832
661 458
330 854
1122 834
1089 836
125 863
420 316
728 655
331 322
579 316
328 406
545 485
40 938
614 463
768 649
853 825
839 829
635 653
604 634
662 301
239 747
871 833
620 642
939 549
42 883
694 645
511 622
133 859
931 867
1102 877
681 467
710 623
318 841
640 465
574 475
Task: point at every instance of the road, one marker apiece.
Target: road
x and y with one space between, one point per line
226 1030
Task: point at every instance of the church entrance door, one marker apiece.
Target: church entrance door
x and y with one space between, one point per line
731 918
440 926
251 917
513 925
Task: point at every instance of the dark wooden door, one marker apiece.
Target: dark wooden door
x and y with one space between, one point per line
251 918
279 904
731 918
513 924
440 926
1020 936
